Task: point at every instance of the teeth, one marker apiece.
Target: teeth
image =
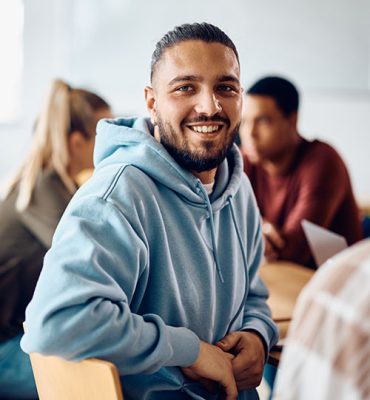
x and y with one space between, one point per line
205 128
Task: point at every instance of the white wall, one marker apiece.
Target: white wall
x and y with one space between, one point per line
343 119
323 46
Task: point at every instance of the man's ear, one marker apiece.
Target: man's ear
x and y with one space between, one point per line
151 104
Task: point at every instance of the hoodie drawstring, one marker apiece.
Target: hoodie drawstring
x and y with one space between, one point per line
245 264
215 248
215 253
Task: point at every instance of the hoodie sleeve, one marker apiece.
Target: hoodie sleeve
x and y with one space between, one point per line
81 305
257 314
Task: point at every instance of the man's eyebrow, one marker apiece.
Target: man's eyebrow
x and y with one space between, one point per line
184 78
229 78
194 78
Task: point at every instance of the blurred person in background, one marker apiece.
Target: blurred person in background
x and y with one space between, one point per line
292 178
32 204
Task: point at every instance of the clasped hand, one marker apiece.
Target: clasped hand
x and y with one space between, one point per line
235 362
274 241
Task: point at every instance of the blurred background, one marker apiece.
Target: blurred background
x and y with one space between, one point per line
323 46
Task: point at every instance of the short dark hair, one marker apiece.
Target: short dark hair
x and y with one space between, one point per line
196 31
280 89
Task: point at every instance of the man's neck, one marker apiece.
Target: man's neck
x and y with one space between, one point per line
205 176
280 165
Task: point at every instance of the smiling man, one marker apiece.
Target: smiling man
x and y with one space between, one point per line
200 113
154 265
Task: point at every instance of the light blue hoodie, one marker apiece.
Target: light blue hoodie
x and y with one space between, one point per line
144 264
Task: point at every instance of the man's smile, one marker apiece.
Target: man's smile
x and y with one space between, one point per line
205 128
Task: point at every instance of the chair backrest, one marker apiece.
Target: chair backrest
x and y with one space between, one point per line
91 379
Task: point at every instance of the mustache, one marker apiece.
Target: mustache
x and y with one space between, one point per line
203 118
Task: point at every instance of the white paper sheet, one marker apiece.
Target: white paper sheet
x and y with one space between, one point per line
323 243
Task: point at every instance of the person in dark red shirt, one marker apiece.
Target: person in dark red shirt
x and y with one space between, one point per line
293 178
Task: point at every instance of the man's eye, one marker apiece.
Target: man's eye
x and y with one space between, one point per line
227 88
264 120
184 88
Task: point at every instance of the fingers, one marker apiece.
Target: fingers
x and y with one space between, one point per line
215 365
228 342
229 384
247 373
270 252
241 363
249 382
227 379
272 233
273 241
248 357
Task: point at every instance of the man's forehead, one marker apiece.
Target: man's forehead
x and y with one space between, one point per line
261 104
261 101
194 57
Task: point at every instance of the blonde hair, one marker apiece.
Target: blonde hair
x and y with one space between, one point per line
65 110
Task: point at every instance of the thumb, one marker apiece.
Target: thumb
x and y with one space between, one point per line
228 342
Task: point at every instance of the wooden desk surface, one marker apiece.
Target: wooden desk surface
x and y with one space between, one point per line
285 281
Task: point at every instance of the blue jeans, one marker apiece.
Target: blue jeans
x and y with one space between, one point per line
269 373
16 377
366 226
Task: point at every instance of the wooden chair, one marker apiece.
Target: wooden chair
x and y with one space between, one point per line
91 379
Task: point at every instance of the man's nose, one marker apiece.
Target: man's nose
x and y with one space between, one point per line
208 104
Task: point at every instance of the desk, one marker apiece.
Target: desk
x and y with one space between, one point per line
284 280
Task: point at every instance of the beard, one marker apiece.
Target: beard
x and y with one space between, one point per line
208 156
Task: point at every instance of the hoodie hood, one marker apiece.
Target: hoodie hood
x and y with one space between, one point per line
129 141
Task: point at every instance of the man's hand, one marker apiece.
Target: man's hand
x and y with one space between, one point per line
213 368
249 360
273 241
